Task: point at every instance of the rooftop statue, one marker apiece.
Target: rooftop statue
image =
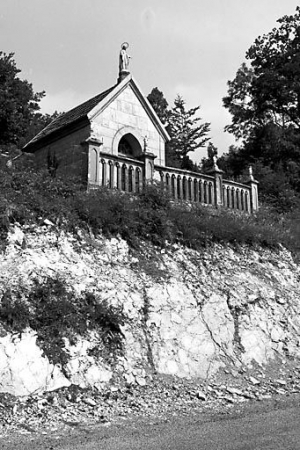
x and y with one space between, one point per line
124 58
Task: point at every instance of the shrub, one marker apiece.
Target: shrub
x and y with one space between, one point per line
52 310
14 313
29 197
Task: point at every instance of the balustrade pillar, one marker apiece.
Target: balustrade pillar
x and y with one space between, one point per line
148 160
253 191
218 184
91 169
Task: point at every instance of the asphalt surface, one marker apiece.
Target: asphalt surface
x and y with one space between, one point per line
270 425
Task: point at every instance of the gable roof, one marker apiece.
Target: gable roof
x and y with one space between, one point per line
68 118
91 108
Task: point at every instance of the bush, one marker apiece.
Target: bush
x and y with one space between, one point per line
52 310
28 197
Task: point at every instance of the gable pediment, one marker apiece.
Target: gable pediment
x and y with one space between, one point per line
124 92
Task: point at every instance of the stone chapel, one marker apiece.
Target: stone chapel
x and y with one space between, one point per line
119 122
116 140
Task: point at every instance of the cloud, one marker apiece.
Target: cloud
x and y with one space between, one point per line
148 19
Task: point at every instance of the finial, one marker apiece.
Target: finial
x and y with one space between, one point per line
251 173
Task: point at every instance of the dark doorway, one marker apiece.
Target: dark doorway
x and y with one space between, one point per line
129 146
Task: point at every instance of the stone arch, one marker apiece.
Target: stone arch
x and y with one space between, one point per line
130 138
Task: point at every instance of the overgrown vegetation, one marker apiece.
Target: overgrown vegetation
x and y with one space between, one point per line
28 197
56 314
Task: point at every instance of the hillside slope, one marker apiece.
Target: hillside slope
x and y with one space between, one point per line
181 312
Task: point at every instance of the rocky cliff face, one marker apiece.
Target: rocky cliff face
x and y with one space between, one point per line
188 313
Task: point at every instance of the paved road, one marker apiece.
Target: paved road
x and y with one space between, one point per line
266 427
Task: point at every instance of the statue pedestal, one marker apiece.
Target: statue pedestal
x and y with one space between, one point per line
123 74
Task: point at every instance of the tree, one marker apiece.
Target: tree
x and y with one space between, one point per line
264 101
159 104
186 132
269 90
19 105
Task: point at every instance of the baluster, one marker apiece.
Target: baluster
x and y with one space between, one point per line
196 190
191 189
110 174
138 180
237 194
233 200
179 188
224 196
123 177
184 190
247 201
126 187
205 192
228 197
104 174
201 191
168 184
129 174
162 179
210 193
174 179
119 176
242 199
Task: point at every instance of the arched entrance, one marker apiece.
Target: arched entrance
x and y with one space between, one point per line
129 146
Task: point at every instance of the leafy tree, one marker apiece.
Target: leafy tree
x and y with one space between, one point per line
264 101
186 131
159 104
19 106
269 90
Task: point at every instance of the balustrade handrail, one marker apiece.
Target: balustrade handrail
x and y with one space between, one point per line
183 172
121 159
235 184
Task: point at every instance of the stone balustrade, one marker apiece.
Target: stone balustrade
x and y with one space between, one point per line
129 175
210 189
120 172
236 195
189 186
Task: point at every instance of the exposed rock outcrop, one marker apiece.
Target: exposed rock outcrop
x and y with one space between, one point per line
188 313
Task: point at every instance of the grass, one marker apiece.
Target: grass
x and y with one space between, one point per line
29 197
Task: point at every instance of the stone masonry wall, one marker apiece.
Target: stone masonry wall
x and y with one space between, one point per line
188 313
68 153
126 110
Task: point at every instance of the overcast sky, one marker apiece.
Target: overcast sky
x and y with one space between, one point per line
70 48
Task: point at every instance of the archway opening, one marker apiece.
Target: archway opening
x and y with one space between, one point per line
129 146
